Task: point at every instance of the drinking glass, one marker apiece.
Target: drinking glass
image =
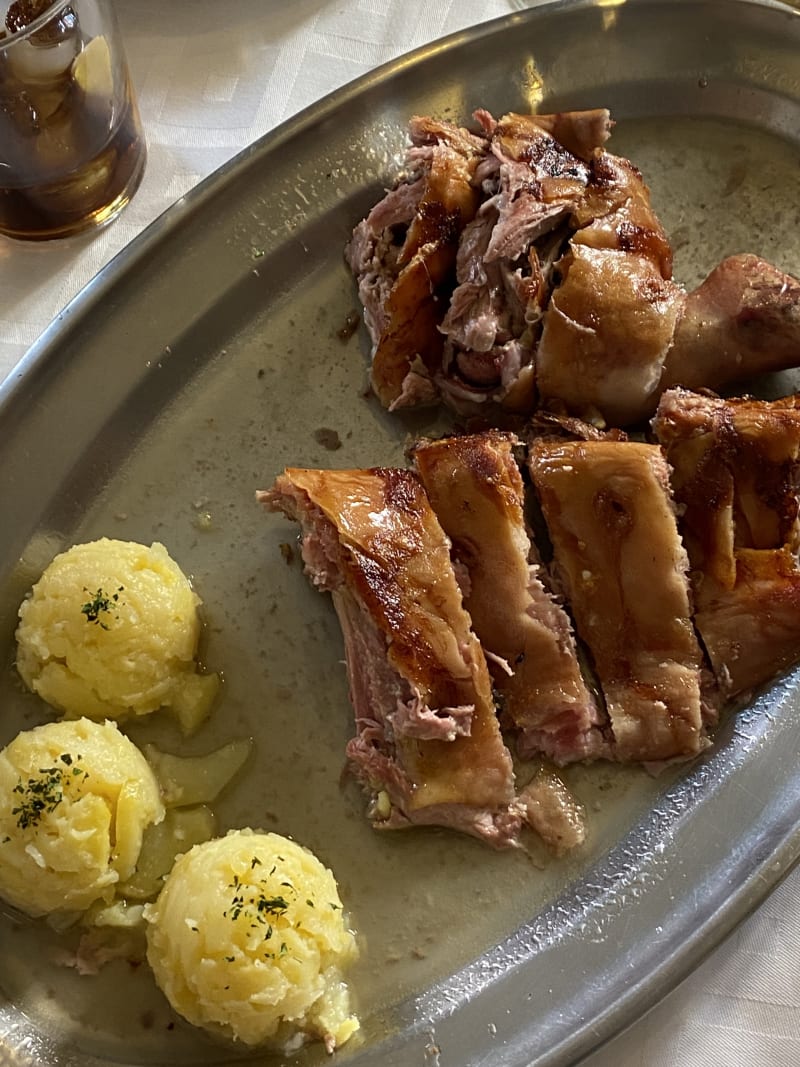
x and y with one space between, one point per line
72 151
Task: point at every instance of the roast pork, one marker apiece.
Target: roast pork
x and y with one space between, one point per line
623 569
476 490
428 747
523 266
735 472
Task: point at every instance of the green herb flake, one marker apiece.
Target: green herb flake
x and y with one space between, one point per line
39 796
255 908
100 604
273 905
309 902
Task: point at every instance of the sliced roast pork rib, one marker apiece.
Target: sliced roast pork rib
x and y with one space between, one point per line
476 490
736 473
428 745
563 293
623 568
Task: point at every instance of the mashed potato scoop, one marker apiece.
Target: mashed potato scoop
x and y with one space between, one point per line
110 631
247 939
75 800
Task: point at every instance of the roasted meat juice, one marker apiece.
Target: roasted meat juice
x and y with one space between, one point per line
72 151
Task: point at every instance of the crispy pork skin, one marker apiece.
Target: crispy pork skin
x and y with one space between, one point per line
428 745
606 333
476 490
579 132
616 213
610 322
736 474
623 569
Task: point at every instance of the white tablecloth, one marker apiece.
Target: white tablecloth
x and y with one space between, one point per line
211 78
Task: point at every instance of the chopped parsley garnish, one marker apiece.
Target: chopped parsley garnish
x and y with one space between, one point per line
100 604
254 905
273 905
42 795
39 795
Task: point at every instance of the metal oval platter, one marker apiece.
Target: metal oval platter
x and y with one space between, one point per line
209 355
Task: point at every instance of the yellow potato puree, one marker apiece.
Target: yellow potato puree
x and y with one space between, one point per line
111 630
248 939
75 800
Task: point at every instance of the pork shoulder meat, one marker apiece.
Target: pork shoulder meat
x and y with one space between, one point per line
526 265
623 569
736 473
533 184
404 253
476 490
528 172
428 745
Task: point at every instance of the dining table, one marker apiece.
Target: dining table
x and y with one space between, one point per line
212 78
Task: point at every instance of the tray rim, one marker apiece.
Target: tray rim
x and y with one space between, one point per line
765 876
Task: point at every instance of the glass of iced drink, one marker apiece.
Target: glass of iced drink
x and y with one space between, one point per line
72 152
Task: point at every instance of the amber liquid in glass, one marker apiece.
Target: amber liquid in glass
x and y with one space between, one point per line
70 159
87 196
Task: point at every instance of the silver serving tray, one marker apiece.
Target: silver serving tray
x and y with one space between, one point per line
205 358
